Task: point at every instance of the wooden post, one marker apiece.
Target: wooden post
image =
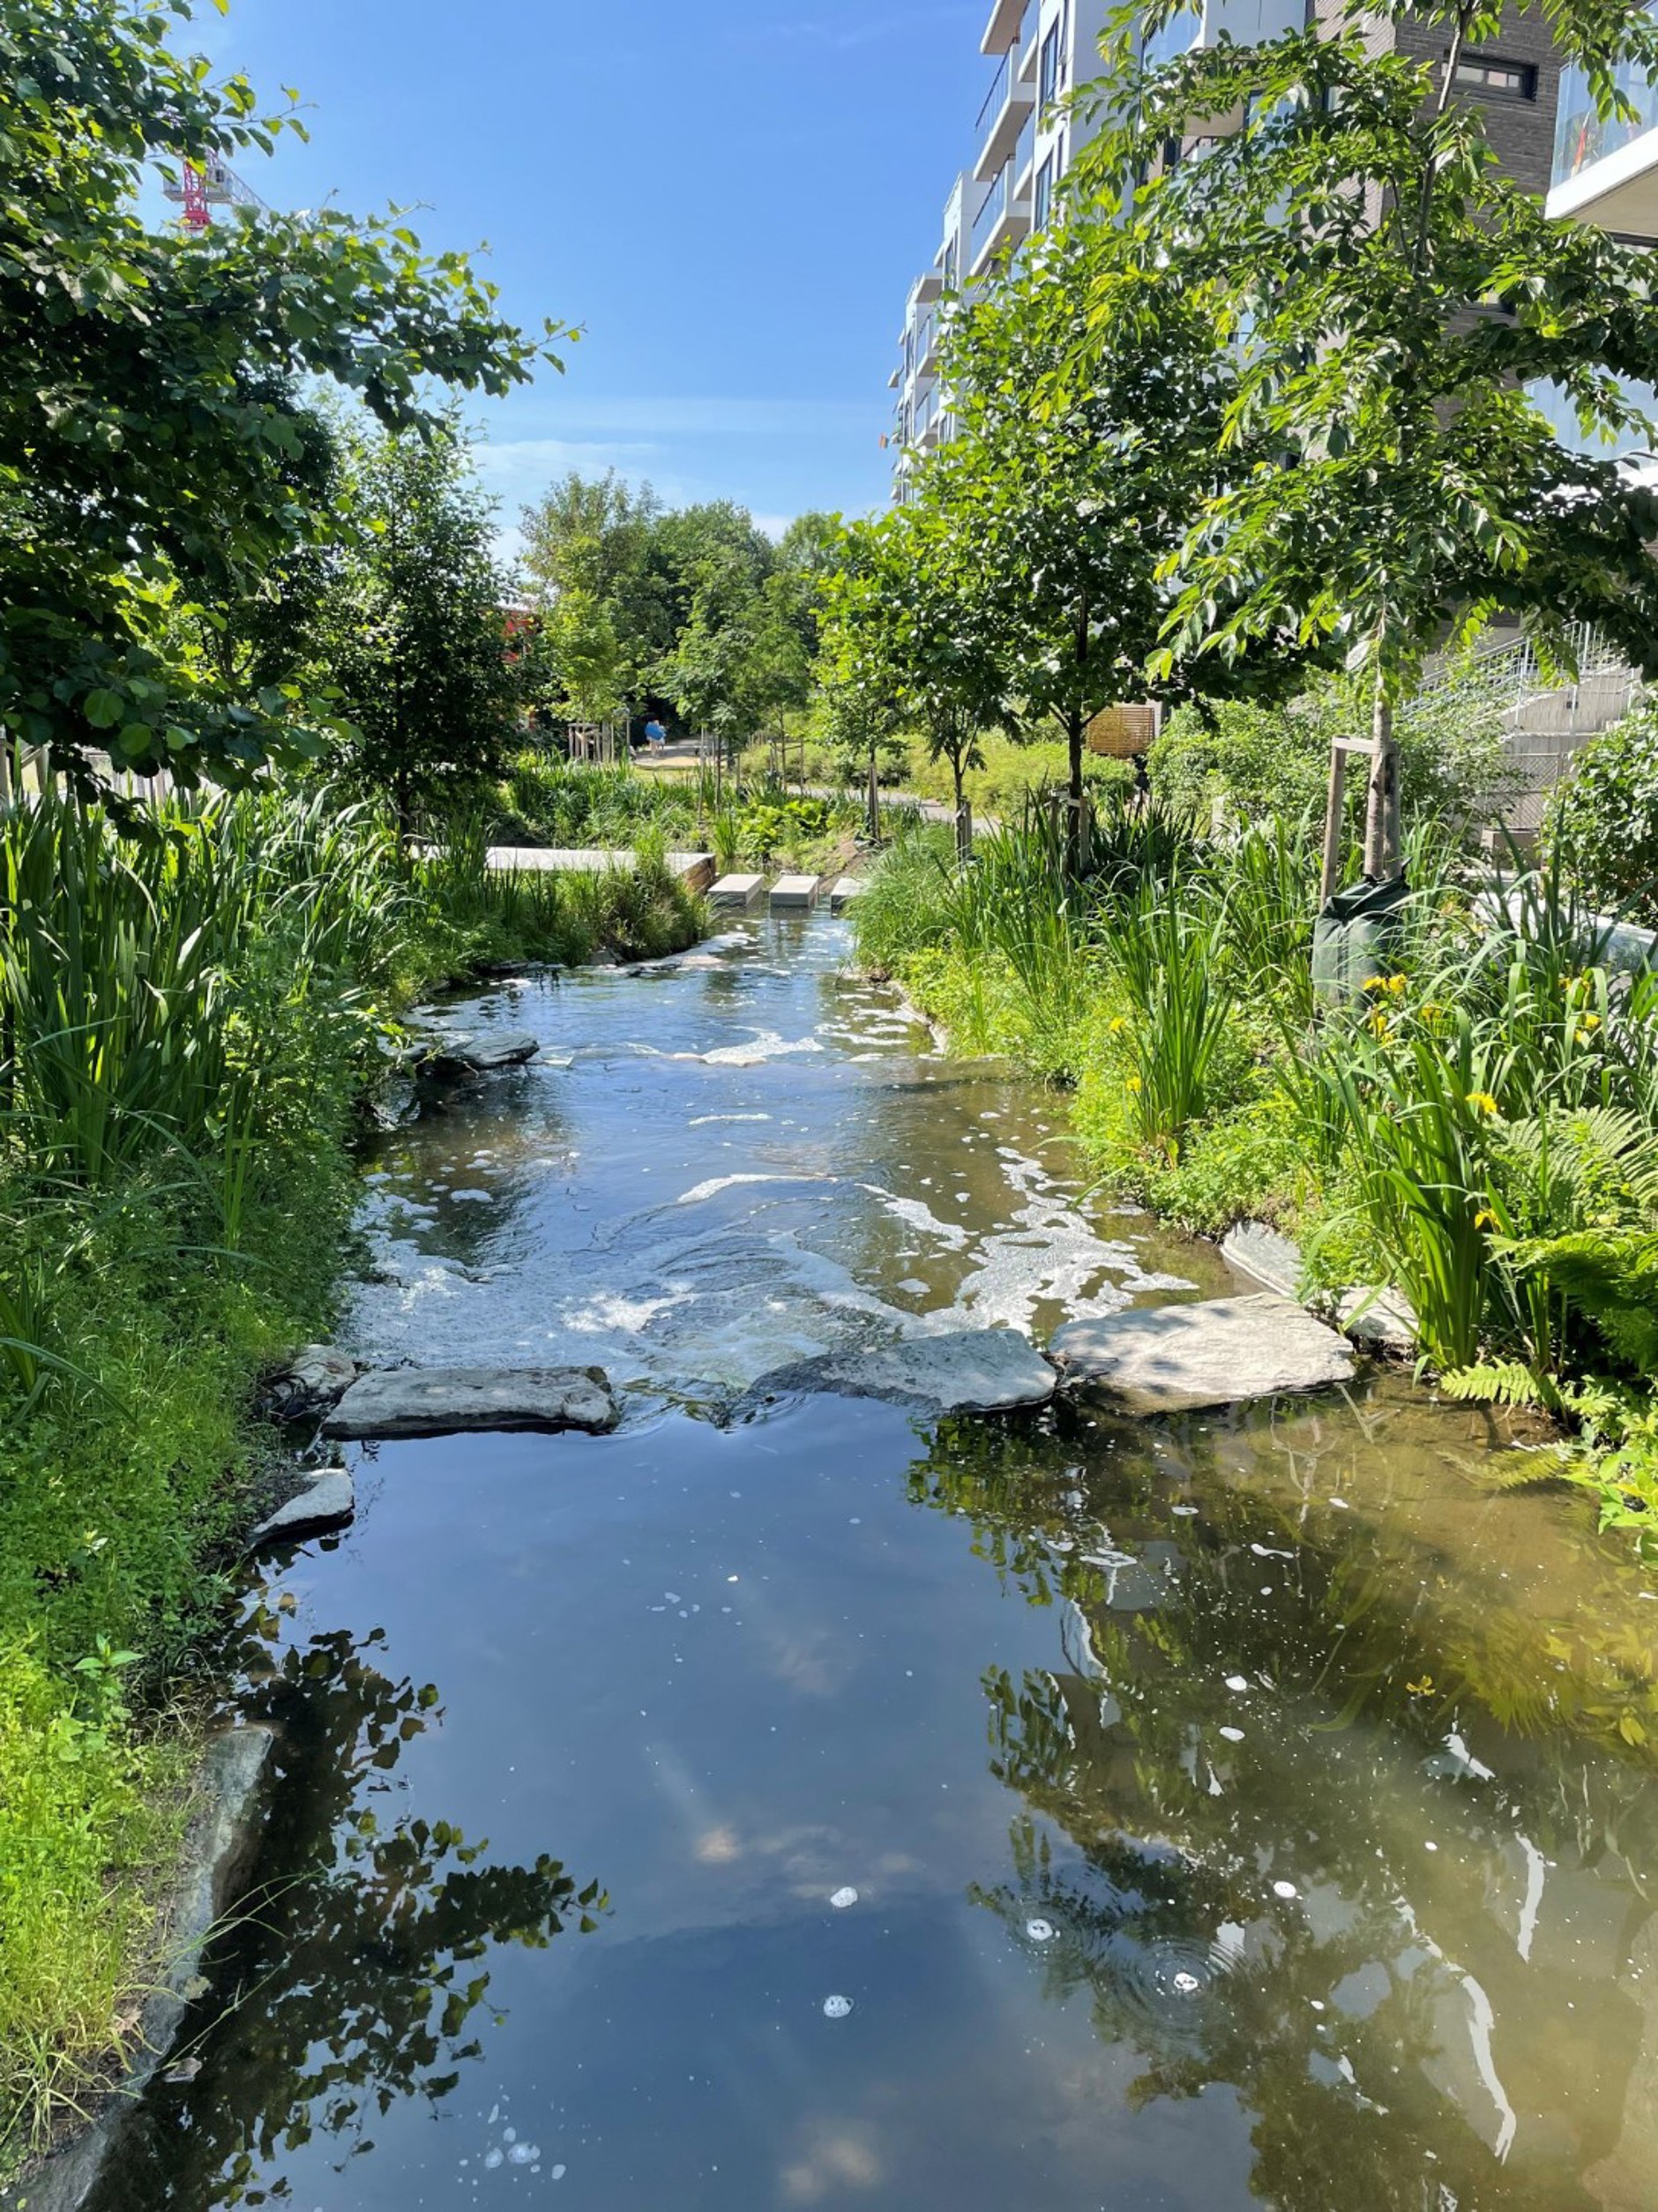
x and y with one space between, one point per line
1334 823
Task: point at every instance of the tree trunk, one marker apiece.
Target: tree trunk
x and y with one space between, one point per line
1382 818
874 798
964 819
1076 724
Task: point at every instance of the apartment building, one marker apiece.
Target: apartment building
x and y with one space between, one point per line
1542 125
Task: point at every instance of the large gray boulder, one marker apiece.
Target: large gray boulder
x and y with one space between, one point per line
419 1401
1221 1352
972 1370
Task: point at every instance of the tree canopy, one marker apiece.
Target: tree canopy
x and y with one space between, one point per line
156 444
1393 299
692 610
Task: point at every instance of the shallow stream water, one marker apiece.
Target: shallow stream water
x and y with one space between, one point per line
831 1811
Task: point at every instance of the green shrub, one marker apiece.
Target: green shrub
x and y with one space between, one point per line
1603 822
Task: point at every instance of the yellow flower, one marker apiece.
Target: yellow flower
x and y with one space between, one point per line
1380 1026
1133 1084
1376 983
1118 1025
1424 1688
1482 1103
1485 1220
1397 985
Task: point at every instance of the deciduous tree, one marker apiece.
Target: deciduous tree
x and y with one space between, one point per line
154 430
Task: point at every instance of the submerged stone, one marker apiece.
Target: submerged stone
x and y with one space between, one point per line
972 1370
1221 1352
328 1503
424 1401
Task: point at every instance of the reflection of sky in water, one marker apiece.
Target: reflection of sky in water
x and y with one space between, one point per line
1180 1817
1092 1770
710 1173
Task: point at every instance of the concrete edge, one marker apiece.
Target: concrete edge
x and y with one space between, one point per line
220 1847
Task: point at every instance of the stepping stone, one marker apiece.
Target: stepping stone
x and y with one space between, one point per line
795 894
740 891
483 1056
329 1502
846 891
972 1370
420 1401
1221 1352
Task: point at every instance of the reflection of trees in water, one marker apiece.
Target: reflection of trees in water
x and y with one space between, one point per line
1166 1919
354 1977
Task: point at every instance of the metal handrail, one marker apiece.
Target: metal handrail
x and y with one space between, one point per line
996 99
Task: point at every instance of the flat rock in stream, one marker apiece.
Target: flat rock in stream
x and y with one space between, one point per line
483 1056
424 1402
1221 1352
972 1370
328 1503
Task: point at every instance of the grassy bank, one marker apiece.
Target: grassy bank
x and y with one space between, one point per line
188 1018
1482 1131
753 821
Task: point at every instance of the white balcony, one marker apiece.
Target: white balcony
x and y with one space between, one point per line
1002 221
925 289
1618 189
1007 109
1003 27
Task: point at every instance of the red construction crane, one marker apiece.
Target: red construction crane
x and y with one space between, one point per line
201 186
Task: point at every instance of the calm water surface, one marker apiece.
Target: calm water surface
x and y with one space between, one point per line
1240 1811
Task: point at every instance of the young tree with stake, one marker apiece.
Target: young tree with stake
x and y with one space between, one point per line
1390 297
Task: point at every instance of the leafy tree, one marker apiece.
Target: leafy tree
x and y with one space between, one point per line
1391 297
413 631
1061 516
151 432
906 633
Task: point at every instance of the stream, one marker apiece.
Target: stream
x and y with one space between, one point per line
840 1811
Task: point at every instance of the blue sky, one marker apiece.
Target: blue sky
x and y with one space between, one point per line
732 199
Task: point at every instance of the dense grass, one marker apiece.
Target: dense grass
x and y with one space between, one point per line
753 821
1482 1131
189 1012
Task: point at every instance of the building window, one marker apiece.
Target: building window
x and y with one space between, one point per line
1050 85
1514 80
1044 193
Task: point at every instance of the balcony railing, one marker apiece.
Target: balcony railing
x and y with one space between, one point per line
1582 137
996 99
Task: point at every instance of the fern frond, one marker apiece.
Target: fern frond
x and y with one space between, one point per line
1494 1383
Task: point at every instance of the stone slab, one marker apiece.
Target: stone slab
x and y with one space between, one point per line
328 1504
845 891
795 894
970 1370
740 891
483 1056
1380 1319
404 1402
1219 1352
